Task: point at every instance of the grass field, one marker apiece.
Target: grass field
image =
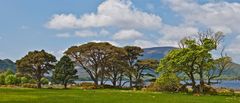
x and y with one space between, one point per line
16 95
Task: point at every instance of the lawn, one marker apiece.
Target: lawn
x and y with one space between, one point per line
16 95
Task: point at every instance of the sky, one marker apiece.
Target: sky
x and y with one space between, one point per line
55 25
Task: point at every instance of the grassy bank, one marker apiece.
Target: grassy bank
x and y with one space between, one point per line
17 95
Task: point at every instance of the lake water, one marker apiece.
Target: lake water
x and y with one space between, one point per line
232 84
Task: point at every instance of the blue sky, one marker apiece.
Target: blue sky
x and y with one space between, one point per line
55 25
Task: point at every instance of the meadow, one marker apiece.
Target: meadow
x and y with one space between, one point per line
20 95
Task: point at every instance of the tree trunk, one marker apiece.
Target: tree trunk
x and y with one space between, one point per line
39 84
209 81
201 87
193 83
120 81
130 81
65 85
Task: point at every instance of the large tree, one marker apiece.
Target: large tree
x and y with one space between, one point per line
65 71
92 57
35 65
193 57
133 54
116 66
140 67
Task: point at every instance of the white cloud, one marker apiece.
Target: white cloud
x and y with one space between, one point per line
86 33
60 21
216 15
127 35
177 32
112 42
116 13
104 32
144 44
24 27
233 49
63 35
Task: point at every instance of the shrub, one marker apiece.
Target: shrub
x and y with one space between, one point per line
209 90
28 85
87 85
168 82
24 80
32 81
225 91
44 81
11 79
2 79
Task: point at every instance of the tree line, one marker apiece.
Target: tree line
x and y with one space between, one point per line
192 61
102 61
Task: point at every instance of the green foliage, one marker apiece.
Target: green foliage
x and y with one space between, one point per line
193 58
44 81
168 82
11 79
65 71
35 64
24 80
2 79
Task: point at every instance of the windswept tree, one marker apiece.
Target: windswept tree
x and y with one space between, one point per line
35 65
65 71
92 58
193 57
133 54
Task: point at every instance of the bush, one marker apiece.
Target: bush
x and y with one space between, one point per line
2 79
87 85
28 85
24 80
44 81
11 79
225 91
209 90
32 81
168 82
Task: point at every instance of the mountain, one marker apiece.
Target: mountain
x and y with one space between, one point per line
156 52
7 64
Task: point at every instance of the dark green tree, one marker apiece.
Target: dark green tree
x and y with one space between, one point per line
133 53
140 67
92 58
35 65
65 71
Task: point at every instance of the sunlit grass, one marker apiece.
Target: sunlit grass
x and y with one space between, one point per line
16 95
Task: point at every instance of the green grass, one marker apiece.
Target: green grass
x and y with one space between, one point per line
17 95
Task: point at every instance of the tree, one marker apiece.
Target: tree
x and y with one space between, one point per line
92 58
193 57
35 64
116 66
133 53
65 71
141 66
220 65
